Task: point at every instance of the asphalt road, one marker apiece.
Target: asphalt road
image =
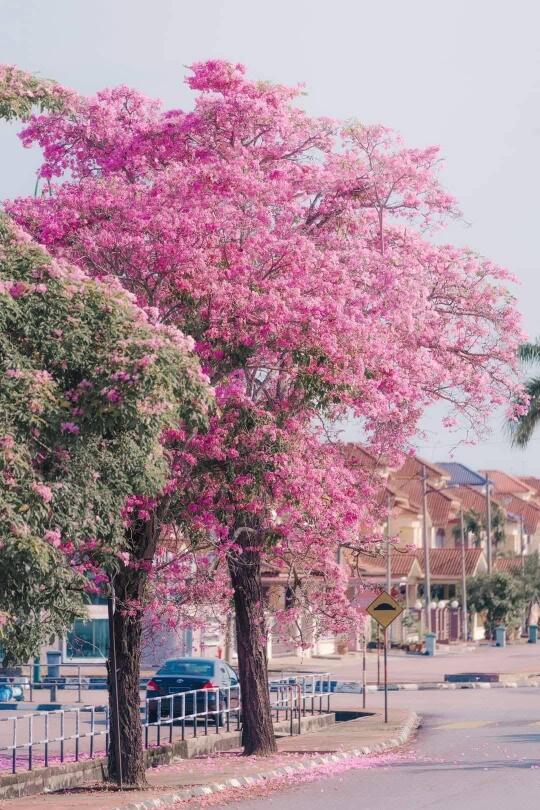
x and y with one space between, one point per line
477 750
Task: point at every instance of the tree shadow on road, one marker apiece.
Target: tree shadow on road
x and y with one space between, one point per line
425 766
522 738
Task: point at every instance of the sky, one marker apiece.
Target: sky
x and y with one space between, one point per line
463 74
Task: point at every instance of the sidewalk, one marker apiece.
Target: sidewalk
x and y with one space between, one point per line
348 742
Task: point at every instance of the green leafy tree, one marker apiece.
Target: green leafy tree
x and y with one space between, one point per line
21 93
498 525
87 387
529 583
498 597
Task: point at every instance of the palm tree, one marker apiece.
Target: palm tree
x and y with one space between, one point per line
523 428
475 526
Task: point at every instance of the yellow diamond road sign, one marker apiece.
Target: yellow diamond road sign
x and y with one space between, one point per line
384 609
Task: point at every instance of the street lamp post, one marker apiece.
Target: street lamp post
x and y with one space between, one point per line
388 557
488 528
521 542
427 595
463 578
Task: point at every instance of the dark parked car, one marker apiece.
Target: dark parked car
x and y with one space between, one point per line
183 675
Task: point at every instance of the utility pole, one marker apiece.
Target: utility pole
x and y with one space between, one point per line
427 594
488 527
388 556
522 542
364 675
463 579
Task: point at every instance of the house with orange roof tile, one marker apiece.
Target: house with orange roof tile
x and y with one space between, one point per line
518 497
534 485
406 517
504 483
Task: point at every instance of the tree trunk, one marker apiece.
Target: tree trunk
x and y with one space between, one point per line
129 588
257 727
127 638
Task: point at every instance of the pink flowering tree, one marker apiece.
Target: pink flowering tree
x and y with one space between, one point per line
298 253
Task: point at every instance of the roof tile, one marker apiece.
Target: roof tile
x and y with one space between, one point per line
446 562
507 565
503 482
462 475
520 508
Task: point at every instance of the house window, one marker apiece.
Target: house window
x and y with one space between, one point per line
437 592
440 538
88 639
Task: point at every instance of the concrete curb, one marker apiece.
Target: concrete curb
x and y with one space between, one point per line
355 687
407 730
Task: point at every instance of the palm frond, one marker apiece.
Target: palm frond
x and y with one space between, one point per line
529 352
522 430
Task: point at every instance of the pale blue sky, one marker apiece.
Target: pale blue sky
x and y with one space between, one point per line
464 74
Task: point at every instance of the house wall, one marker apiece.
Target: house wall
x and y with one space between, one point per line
512 542
533 543
408 529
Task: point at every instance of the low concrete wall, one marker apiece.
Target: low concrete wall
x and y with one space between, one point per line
73 774
70 774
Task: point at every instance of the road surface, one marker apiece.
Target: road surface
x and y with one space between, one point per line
514 659
477 750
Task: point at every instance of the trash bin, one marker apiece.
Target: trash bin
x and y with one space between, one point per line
500 636
533 633
431 643
6 692
54 659
36 672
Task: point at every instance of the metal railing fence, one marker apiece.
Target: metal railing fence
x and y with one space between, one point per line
220 706
299 694
59 735
81 680
50 732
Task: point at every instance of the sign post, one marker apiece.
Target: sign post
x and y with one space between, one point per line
378 656
384 609
385 678
364 679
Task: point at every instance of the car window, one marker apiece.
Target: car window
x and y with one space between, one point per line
225 675
201 669
233 675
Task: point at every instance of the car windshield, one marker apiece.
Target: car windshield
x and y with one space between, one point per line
203 669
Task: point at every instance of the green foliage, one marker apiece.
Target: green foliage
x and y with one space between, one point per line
523 428
475 525
87 386
529 579
499 597
21 92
